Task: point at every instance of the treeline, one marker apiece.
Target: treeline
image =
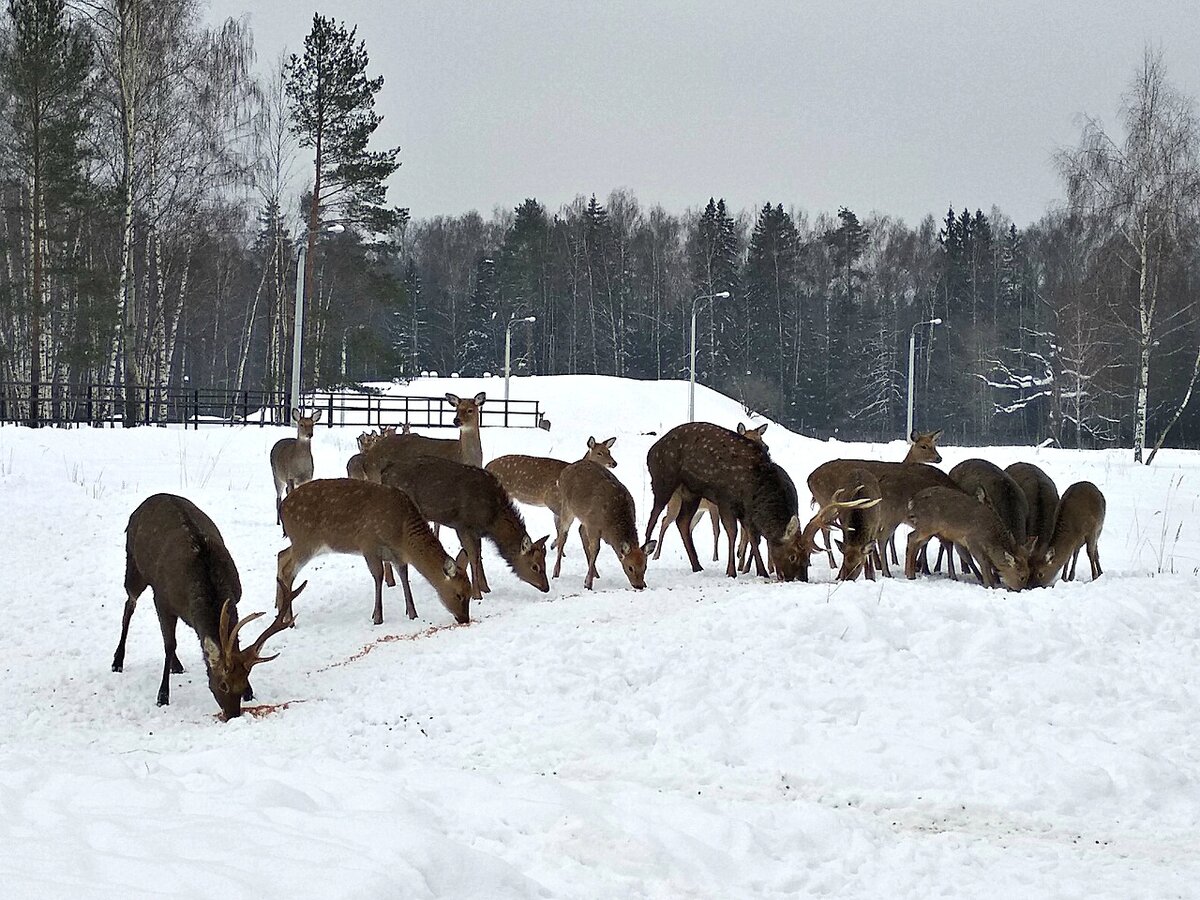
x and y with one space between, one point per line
151 233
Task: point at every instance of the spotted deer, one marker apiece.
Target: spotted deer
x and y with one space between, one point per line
604 508
1078 522
709 462
707 506
291 458
534 479
377 522
473 502
175 549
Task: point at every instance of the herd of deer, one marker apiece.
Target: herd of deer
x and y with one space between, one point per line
1005 525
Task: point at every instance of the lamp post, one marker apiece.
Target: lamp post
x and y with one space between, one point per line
720 295
508 349
298 318
912 355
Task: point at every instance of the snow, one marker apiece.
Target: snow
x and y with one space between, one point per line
706 737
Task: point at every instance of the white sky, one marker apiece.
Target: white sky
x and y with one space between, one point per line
889 105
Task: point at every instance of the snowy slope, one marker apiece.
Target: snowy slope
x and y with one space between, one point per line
702 738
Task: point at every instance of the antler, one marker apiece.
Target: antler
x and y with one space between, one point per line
252 655
828 514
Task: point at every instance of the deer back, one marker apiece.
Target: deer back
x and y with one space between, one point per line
1041 497
528 479
995 488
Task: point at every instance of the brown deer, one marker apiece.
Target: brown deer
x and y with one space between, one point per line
466 448
380 523
828 477
534 479
604 508
1077 523
473 502
707 506
356 466
175 549
713 463
995 489
960 519
1041 497
291 458
861 526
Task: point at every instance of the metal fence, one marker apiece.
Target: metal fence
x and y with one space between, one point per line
94 404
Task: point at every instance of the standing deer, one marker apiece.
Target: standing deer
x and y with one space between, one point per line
604 508
472 502
466 448
534 479
175 549
291 458
828 477
995 489
960 519
356 466
713 463
1041 497
860 524
707 506
1077 523
342 515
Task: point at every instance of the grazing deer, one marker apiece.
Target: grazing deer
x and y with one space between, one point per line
707 506
960 519
466 448
1041 497
1077 522
291 458
534 479
175 549
860 524
604 508
342 515
714 463
828 477
472 502
995 489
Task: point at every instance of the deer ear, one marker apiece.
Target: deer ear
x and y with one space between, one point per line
741 427
980 495
915 436
295 414
591 442
540 543
451 567
452 399
479 398
609 442
526 545
793 526
316 417
1008 559
841 547
212 653
1050 555
650 546
625 548
933 437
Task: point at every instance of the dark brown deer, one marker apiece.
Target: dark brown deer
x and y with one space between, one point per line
1041 497
707 506
995 489
291 458
534 479
960 519
466 448
1077 523
713 463
828 477
604 508
474 503
860 523
380 523
175 549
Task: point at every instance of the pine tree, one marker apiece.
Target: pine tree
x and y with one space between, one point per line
771 283
712 256
478 352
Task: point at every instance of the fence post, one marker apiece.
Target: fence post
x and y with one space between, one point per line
505 412
245 406
329 414
195 409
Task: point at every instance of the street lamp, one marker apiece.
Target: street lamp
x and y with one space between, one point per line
720 295
298 318
508 349
912 354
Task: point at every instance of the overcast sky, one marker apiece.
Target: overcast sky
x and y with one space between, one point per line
887 105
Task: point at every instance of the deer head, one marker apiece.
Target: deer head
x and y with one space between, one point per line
600 453
466 412
924 447
304 424
802 544
455 591
633 561
229 666
754 434
530 563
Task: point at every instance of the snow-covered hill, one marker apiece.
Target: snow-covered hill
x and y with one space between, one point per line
702 738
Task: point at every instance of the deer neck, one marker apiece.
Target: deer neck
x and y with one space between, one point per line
507 533
470 449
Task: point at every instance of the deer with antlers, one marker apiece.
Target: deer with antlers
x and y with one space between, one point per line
291 458
377 522
172 547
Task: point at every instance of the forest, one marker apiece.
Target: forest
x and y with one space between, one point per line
153 236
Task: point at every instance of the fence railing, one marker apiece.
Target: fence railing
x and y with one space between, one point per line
101 405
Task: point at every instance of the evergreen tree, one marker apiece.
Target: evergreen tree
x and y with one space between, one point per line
712 258
478 353
771 284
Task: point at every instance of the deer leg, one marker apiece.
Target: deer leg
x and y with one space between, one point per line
910 558
135 584
828 536
166 622
869 562
661 496
388 575
470 542
891 541
591 549
286 566
1074 561
937 566
948 551
375 565
714 518
968 563
410 610
667 519
1093 552
683 522
564 526
759 569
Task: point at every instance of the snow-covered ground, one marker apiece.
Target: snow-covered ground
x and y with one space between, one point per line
702 738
